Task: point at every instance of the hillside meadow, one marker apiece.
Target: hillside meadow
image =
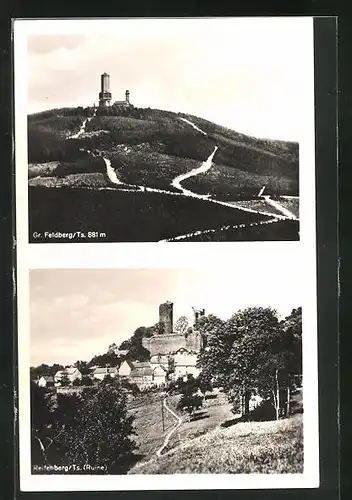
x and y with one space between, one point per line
274 447
70 190
148 143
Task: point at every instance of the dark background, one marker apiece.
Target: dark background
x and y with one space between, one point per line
327 233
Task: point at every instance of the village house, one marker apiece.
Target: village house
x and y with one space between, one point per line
141 374
100 373
144 373
72 373
45 381
160 375
164 360
125 369
185 363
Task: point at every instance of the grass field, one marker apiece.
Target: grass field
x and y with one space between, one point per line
287 150
228 183
148 423
161 146
290 204
258 204
82 180
61 125
274 447
69 189
124 216
139 165
216 409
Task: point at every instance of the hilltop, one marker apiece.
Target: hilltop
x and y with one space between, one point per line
138 154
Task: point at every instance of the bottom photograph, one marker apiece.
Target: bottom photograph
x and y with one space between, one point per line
166 371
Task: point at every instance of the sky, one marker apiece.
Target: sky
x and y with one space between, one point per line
77 313
244 73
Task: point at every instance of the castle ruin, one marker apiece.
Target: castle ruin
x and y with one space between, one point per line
175 352
166 317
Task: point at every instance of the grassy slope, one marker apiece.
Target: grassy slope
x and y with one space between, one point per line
290 204
216 409
148 423
148 147
126 216
251 447
288 150
283 230
235 184
161 145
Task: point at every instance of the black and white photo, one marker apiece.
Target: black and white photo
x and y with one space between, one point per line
167 129
144 364
126 381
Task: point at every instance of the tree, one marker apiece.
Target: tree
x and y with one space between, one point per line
190 403
100 433
86 381
107 379
112 347
204 384
189 386
126 344
292 343
83 367
42 429
182 325
39 371
65 381
109 358
217 341
159 328
55 368
247 353
136 349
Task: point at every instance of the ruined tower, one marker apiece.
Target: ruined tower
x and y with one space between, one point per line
127 97
105 94
166 317
198 313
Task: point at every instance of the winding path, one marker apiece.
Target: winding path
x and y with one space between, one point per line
176 183
279 207
170 433
193 125
222 228
110 172
205 166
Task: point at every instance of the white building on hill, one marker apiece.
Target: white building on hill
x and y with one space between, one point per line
72 373
45 381
185 363
100 373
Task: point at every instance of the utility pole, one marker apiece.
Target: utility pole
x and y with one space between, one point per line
162 413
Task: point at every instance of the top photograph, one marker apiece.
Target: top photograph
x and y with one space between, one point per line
166 130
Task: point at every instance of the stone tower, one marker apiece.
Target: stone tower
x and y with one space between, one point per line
105 94
166 317
198 313
127 97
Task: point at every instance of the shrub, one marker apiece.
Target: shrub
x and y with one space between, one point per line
190 403
99 432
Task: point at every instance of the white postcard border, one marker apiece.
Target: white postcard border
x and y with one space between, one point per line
139 255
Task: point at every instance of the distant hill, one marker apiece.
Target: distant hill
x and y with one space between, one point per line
147 149
153 146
